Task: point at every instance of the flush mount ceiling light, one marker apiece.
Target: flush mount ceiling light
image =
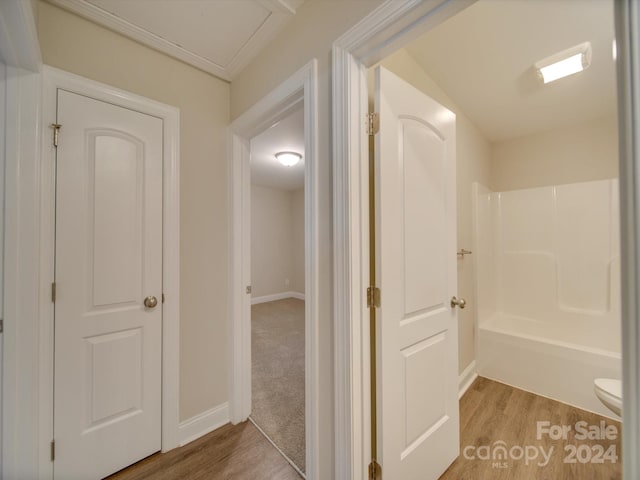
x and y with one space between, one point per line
288 159
565 63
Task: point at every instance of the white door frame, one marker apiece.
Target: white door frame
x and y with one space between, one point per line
33 218
627 22
391 26
20 50
20 403
301 87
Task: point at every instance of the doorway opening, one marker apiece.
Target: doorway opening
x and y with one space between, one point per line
537 205
437 83
278 286
537 183
294 99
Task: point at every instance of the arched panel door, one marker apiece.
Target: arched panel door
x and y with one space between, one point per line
417 341
108 311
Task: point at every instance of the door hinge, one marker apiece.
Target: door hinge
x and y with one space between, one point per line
163 298
53 292
56 133
248 289
373 297
53 450
375 471
1 325
373 123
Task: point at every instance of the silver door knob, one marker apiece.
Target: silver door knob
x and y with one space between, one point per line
150 302
455 302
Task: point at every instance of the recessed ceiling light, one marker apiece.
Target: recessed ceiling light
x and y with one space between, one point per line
288 159
565 63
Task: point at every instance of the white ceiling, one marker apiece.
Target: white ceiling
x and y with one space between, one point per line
285 136
217 36
483 59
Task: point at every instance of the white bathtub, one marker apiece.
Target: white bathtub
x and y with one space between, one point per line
529 355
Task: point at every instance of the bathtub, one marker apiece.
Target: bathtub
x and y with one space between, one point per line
530 355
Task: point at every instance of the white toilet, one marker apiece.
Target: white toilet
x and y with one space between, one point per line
609 392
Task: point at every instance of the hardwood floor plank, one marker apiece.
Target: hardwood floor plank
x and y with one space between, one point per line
492 412
233 452
489 412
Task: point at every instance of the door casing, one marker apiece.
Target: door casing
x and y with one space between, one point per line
386 29
54 79
300 88
20 52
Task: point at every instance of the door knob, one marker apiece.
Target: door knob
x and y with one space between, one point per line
150 302
455 302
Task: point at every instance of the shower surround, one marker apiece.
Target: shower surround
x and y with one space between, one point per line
548 288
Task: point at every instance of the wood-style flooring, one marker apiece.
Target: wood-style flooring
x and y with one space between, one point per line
492 412
489 412
233 452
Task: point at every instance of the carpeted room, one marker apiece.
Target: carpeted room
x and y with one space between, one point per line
278 288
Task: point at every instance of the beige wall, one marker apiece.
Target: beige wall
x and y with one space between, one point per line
580 153
309 35
276 225
297 212
473 165
76 45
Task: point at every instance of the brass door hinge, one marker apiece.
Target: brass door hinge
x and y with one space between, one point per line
56 133
53 450
53 292
375 471
373 297
373 124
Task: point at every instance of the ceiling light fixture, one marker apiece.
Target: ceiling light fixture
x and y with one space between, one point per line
288 159
565 63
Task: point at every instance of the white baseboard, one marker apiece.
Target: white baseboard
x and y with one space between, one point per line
466 378
203 423
277 296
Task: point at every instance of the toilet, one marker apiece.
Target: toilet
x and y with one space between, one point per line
609 392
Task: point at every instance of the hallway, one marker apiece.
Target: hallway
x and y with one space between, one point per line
232 452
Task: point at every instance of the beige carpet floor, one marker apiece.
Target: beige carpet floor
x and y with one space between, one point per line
277 372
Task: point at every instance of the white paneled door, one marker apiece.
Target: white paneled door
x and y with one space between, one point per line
108 272
418 415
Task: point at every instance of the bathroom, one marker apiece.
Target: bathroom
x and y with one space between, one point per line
538 220
546 241
548 288
537 194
